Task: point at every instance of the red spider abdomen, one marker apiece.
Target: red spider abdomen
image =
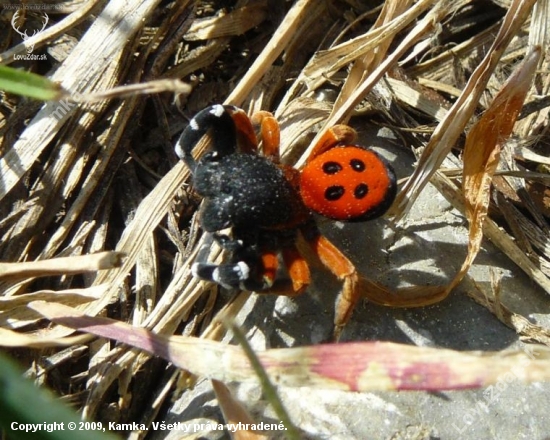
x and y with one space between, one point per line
348 183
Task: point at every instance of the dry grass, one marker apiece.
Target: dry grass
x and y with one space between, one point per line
102 175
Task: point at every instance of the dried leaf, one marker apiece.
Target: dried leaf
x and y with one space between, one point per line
450 128
117 24
237 22
356 366
14 314
62 266
482 152
69 296
9 338
234 413
287 30
342 114
326 62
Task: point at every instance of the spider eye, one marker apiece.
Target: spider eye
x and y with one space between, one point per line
348 183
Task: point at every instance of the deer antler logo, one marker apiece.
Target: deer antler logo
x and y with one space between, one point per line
24 35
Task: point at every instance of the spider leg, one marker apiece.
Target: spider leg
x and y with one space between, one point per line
247 268
246 136
298 270
215 119
228 275
204 250
334 260
337 135
270 133
229 127
256 273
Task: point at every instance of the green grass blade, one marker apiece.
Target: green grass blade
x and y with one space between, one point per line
23 404
28 84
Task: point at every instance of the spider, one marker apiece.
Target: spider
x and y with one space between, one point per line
258 209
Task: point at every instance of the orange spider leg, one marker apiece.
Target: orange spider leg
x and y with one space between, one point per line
298 270
334 260
270 264
246 136
339 134
270 134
